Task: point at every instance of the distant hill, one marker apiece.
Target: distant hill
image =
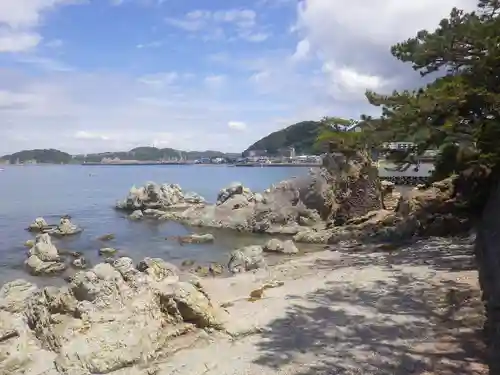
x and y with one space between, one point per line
49 156
302 136
154 154
52 156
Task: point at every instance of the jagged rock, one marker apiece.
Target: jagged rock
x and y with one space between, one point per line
36 266
13 295
235 189
274 245
289 247
80 263
193 306
284 247
65 228
213 269
106 319
136 215
44 249
354 187
246 259
38 225
387 185
155 213
435 210
157 268
339 191
429 212
154 196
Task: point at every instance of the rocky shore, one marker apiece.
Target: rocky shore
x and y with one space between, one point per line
342 201
330 311
302 316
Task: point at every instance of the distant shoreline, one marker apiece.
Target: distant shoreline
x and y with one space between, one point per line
254 165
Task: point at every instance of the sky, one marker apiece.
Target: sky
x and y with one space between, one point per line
106 75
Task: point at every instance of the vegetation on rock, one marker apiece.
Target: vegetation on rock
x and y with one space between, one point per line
49 156
153 154
302 136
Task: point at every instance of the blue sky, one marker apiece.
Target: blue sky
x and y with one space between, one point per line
96 75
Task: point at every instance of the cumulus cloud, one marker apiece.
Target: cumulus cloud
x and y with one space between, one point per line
12 41
19 21
353 38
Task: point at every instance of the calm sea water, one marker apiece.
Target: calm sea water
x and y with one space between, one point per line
88 194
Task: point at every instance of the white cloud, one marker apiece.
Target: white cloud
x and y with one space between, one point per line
13 41
45 63
353 38
348 83
254 37
26 13
159 80
19 20
153 44
243 18
80 112
242 22
237 125
302 50
82 134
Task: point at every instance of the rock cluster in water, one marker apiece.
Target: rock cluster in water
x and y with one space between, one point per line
344 200
110 317
337 192
64 228
45 259
157 197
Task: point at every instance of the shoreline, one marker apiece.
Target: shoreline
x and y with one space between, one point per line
336 311
333 307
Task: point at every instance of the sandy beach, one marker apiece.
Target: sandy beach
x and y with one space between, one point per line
416 311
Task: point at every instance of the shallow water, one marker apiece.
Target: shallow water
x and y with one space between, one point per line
88 194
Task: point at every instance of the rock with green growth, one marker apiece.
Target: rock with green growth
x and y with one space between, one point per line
188 263
107 251
29 244
136 215
107 237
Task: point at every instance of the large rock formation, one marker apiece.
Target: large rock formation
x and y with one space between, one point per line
65 228
431 211
105 319
246 259
154 196
43 257
337 192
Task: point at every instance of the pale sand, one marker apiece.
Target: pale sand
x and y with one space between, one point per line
345 313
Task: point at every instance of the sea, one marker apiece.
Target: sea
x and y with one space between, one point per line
88 194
